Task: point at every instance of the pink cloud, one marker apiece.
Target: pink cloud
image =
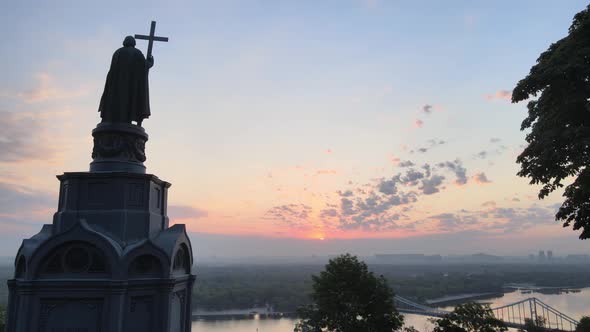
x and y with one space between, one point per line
500 95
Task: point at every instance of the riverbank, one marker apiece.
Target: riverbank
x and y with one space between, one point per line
461 298
242 316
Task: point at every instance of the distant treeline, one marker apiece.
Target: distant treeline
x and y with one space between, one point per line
285 287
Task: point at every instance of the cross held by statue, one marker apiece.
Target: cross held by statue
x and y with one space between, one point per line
151 38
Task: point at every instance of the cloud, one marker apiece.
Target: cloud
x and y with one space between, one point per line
411 177
292 215
427 109
431 185
418 123
519 219
431 144
492 219
457 168
435 142
406 163
185 212
448 222
371 209
496 150
500 95
481 178
388 187
380 205
481 155
347 193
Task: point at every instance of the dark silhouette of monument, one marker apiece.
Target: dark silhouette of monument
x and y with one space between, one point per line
109 262
126 92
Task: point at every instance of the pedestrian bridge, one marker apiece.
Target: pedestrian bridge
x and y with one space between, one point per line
513 315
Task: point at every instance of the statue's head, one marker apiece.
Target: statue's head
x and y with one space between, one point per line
129 41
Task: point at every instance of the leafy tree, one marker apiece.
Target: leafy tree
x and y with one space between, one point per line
584 324
2 318
537 325
410 329
470 317
348 298
559 141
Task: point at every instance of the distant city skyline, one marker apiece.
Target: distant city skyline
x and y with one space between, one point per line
306 127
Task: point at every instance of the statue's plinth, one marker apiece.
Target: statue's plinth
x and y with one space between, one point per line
118 147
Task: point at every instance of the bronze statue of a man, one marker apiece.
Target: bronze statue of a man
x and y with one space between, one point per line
126 93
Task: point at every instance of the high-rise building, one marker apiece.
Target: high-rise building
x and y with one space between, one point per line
541 255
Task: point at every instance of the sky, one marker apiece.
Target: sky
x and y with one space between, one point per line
294 127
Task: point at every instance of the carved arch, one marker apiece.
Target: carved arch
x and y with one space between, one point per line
146 260
74 258
21 267
182 260
79 233
145 266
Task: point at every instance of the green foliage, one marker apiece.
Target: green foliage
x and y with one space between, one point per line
537 325
410 329
348 298
2 318
470 317
559 141
249 285
584 324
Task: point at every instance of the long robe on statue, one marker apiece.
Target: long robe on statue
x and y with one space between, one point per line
126 92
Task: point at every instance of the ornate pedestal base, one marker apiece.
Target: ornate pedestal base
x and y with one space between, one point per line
118 147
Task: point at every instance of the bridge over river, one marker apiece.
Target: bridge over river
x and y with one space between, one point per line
513 315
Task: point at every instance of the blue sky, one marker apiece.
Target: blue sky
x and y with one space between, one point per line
266 113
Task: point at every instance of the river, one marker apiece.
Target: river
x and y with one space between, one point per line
575 305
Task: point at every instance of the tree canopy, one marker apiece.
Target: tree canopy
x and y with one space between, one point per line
347 297
470 317
558 147
583 324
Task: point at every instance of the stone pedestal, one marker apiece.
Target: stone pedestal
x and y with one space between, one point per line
109 261
118 147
